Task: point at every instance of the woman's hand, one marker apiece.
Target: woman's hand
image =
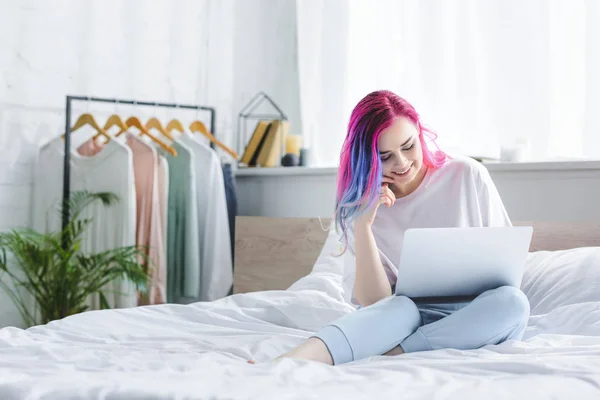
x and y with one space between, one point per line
386 196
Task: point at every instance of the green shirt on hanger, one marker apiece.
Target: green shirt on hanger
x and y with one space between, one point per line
183 257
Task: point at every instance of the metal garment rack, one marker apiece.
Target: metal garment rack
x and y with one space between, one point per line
67 156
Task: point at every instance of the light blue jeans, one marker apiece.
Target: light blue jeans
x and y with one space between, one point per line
491 318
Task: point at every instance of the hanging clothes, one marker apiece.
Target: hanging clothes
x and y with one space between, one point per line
123 292
183 260
232 206
214 246
149 225
109 170
149 221
149 232
232 210
163 192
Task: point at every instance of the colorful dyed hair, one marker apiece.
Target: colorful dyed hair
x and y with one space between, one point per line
360 172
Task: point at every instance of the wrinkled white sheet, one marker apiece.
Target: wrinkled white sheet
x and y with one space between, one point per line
200 351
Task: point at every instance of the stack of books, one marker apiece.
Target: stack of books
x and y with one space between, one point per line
267 144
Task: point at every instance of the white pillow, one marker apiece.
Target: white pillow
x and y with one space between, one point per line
557 278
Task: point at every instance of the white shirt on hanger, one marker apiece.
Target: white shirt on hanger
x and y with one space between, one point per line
213 221
163 185
111 170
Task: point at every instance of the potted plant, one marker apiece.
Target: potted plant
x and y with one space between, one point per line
55 274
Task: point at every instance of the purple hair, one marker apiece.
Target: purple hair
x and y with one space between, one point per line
360 172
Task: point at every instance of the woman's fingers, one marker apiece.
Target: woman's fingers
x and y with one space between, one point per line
391 199
387 192
383 199
385 179
391 195
386 196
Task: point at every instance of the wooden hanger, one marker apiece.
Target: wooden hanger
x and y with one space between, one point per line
154 123
174 124
198 126
113 120
88 119
136 123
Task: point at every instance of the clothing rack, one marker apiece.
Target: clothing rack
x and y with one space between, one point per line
67 156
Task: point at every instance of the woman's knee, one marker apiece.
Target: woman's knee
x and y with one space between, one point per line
513 304
406 309
397 310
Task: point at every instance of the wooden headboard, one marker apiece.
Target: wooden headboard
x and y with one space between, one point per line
272 253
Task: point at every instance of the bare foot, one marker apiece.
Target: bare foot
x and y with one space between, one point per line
275 360
313 349
396 351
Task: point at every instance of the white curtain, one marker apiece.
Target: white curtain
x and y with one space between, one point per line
483 74
322 43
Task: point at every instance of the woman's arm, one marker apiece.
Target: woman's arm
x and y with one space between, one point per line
371 283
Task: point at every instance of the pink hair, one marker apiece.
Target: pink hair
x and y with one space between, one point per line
360 171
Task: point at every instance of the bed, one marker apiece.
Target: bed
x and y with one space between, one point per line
287 285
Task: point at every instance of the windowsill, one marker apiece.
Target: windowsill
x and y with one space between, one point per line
492 166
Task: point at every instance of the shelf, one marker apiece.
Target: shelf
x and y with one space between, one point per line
542 166
491 166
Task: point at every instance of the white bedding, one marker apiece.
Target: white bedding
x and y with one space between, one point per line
200 351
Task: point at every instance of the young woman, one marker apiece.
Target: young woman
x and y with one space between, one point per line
386 161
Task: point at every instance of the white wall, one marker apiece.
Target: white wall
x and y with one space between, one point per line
214 52
15 181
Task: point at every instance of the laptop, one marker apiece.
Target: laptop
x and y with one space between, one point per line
461 263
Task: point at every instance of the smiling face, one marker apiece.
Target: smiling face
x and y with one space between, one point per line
401 156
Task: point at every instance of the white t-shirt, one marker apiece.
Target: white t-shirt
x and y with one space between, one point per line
458 194
111 170
213 222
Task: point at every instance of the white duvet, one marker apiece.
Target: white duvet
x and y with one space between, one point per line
200 350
